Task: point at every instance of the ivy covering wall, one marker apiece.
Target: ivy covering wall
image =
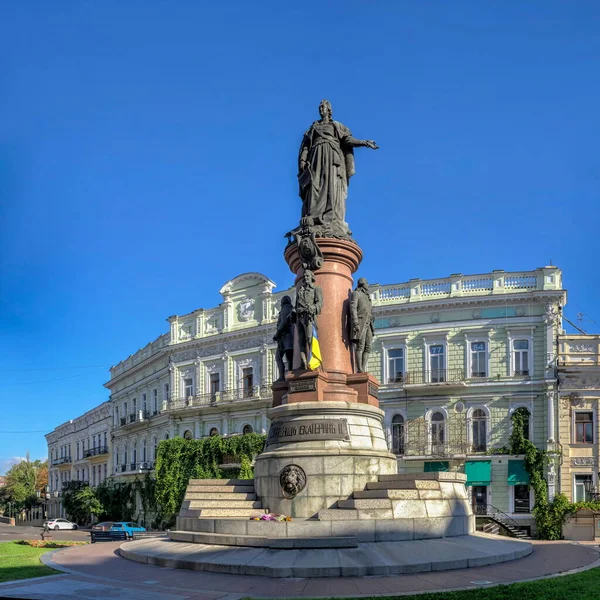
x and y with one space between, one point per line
179 460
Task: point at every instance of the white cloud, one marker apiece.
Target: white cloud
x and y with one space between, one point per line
7 463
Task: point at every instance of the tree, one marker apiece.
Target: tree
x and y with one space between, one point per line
80 502
23 480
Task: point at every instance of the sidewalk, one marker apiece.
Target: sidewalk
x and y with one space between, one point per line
97 571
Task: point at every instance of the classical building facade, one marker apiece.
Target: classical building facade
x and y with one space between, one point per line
578 434
79 450
455 356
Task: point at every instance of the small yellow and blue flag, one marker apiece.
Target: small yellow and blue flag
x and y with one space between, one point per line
314 356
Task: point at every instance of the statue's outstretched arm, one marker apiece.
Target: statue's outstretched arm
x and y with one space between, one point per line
354 143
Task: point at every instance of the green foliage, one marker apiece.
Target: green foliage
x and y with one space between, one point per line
117 500
549 516
80 502
179 460
23 480
146 488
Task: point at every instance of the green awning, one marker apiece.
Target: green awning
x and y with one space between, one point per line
478 472
517 475
435 466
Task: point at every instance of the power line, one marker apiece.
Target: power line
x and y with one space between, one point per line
32 431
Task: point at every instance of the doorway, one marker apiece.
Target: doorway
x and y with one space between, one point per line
479 499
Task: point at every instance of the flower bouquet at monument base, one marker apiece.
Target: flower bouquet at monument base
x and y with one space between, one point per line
271 517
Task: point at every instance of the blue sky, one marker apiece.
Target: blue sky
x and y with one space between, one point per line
148 154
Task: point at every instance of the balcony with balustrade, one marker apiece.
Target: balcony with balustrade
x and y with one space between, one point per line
222 398
459 286
97 451
61 460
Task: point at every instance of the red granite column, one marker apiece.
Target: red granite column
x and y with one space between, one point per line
341 260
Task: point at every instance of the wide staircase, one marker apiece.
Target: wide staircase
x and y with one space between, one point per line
214 498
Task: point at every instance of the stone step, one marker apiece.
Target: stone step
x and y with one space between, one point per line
219 496
336 514
227 539
222 503
246 489
417 484
222 512
435 475
213 482
364 503
391 494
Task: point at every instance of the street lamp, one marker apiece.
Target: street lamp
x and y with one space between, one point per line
590 490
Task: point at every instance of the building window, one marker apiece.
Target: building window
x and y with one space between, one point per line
214 431
188 387
438 433
247 381
155 444
125 455
478 360
214 383
187 435
479 430
436 363
522 499
134 453
167 435
398 434
125 409
105 471
105 441
579 493
154 401
521 357
166 392
144 450
584 427
395 365
144 404
247 429
134 406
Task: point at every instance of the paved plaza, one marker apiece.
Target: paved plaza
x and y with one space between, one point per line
97 571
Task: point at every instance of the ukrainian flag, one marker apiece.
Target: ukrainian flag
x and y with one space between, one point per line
314 354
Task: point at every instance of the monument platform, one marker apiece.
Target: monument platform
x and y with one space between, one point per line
381 558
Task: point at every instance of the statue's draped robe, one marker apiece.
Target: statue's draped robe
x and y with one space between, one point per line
329 166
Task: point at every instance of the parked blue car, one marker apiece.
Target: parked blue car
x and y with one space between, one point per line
128 527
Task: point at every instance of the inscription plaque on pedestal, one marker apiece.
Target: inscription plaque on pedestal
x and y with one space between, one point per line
303 385
309 430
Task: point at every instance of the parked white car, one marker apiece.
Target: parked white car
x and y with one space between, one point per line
60 524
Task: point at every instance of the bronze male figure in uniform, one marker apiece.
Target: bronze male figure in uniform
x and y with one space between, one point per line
284 337
361 324
309 302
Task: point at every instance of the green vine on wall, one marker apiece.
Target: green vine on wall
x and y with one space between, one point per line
179 460
549 515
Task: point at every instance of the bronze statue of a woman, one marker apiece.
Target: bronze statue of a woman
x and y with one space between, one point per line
325 165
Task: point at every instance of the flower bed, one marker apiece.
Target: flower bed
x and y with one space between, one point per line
45 544
271 517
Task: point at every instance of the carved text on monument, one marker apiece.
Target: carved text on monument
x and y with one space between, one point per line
303 385
309 430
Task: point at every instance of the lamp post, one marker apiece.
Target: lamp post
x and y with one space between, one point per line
590 490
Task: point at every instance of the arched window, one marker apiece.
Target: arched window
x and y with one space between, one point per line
167 435
188 435
398 434
116 458
155 444
214 431
479 430
125 454
438 433
247 429
144 450
134 453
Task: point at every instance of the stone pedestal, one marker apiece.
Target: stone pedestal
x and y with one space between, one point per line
340 447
